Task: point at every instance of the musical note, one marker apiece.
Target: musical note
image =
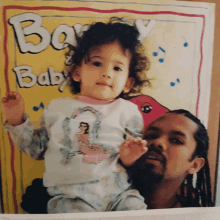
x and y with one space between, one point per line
157 52
173 83
36 108
186 43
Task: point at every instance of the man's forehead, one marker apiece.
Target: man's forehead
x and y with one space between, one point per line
172 121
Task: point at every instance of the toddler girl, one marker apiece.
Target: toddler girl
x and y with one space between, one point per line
79 137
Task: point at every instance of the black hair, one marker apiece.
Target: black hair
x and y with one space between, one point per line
116 30
201 194
87 128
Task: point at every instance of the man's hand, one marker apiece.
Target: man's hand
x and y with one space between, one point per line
131 150
13 106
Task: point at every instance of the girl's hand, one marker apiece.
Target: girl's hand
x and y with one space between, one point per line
13 106
131 150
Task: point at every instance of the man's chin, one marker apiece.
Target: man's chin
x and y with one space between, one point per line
150 172
146 176
155 165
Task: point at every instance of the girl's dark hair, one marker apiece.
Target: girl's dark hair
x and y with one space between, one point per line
201 194
116 30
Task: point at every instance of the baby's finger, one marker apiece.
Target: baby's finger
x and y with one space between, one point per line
145 149
142 145
4 99
144 142
129 141
11 95
18 96
138 141
135 139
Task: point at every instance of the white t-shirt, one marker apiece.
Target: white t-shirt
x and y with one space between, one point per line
79 139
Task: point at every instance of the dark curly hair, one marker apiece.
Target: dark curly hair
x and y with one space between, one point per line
116 30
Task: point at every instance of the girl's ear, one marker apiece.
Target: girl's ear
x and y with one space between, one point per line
197 164
76 75
129 84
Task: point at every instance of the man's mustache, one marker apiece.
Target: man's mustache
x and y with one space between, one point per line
155 153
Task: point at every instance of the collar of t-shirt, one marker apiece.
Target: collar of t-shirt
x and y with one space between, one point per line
92 101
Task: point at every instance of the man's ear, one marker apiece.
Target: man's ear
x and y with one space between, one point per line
197 164
76 74
129 84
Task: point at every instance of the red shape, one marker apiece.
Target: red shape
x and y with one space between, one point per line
149 108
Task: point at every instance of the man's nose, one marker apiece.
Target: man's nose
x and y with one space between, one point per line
160 143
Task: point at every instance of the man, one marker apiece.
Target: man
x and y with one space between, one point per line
177 147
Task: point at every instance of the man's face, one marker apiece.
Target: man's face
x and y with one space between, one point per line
171 143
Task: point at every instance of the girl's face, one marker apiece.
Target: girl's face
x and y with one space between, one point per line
105 75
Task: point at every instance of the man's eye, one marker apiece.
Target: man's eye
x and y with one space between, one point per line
96 63
116 68
176 141
150 136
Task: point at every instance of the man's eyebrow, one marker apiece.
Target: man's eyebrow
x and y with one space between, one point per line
180 133
152 128
174 132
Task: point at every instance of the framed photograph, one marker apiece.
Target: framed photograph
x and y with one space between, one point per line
178 40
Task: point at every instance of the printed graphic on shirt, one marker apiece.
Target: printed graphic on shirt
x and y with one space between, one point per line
86 138
93 153
68 154
97 122
67 151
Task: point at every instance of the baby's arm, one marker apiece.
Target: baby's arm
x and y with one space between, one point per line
32 141
132 149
